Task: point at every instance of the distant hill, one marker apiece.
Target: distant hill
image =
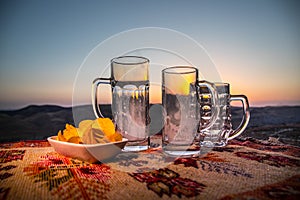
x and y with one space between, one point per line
270 115
33 122
40 122
280 123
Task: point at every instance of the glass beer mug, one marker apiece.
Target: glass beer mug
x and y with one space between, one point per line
180 100
221 131
130 99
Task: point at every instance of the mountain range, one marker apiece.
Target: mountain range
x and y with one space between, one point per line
39 122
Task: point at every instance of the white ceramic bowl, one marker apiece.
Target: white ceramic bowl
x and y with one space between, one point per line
87 152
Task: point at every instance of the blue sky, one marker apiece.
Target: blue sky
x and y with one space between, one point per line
254 44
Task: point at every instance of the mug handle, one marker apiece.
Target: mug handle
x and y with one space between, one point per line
96 106
215 103
246 116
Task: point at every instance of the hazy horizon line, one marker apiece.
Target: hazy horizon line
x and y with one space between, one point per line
108 104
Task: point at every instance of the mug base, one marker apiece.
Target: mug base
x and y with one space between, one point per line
183 154
135 148
210 144
181 151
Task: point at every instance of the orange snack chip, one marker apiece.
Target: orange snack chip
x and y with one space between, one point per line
70 131
75 139
114 137
60 137
100 130
105 125
69 134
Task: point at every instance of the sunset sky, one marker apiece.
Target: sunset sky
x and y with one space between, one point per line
45 45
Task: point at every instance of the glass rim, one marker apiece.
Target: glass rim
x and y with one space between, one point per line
139 60
170 70
221 84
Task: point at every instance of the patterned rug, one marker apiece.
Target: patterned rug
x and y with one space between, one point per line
245 169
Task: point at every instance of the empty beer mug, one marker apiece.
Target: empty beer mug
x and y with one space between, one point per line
130 99
221 131
180 101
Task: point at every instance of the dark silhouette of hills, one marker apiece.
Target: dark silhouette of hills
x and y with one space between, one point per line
270 115
39 122
280 123
33 109
33 122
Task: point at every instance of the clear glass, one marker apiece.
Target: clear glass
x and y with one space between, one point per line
221 131
180 134
130 99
